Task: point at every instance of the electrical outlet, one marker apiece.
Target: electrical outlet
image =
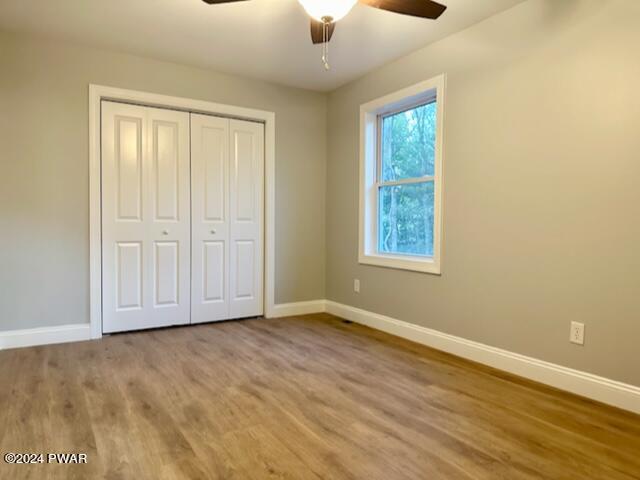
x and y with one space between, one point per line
356 285
577 333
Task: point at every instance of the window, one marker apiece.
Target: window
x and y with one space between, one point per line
401 169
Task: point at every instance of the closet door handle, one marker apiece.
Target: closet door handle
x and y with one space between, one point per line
165 232
213 232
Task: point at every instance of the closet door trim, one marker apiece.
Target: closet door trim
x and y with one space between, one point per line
97 93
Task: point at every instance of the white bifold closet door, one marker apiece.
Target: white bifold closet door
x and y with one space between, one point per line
227 172
145 217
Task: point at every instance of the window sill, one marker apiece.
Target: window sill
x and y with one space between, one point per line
416 264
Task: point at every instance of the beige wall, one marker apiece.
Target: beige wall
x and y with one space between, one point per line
44 175
541 198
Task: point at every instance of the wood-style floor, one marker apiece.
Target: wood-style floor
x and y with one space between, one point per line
298 398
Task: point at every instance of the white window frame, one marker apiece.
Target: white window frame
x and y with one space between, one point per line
370 115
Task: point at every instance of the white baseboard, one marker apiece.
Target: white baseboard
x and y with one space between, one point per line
75 333
44 336
602 389
297 308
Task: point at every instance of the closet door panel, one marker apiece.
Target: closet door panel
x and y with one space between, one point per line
166 164
166 273
169 247
128 275
124 194
210 218
145 217
245 284
128 160
246 210
214 274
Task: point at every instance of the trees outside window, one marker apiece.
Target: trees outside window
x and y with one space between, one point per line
406 169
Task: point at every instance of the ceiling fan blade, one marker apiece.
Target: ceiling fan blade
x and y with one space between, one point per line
215 2
316 31
415 8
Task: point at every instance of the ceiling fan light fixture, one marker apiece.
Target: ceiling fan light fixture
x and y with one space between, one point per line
327 10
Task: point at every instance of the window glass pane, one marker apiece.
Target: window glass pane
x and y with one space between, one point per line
405 219
408 143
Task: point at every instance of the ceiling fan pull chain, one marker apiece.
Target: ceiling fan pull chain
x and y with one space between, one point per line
325 43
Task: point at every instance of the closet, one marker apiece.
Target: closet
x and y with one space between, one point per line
182 217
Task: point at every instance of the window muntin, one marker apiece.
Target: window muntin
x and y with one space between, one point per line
406 180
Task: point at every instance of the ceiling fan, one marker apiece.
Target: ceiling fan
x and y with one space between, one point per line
325 13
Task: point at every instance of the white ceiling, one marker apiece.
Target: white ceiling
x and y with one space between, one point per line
267 39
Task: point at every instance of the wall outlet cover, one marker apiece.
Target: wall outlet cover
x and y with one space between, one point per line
577 333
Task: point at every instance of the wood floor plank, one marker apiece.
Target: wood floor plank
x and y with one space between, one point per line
307 397
268 459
